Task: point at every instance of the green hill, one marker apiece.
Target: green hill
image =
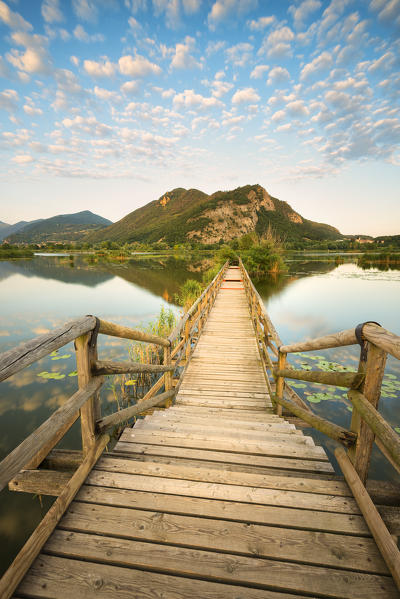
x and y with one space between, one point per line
190 215
64 227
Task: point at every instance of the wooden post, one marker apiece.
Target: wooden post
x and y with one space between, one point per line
199 310
168 375
280 382
374 368
187 339
86 354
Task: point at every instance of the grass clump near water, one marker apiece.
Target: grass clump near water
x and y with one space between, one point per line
381 260
127 389
188 293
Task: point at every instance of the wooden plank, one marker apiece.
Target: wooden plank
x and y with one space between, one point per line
34 544
53 576
181 472
255 441
226 568
334 550
226 510
282 449
293 499
40 482
225 457
27 450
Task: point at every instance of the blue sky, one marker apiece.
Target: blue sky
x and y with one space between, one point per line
106 104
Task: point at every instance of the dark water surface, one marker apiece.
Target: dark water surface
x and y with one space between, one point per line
314 298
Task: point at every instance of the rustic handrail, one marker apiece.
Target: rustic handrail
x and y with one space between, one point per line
116 330
179 327
27 353
337 379
377 335
108 367
21 455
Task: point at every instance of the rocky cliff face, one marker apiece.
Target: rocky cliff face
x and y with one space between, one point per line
231 218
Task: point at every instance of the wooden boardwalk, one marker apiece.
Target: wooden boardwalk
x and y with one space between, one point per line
215 497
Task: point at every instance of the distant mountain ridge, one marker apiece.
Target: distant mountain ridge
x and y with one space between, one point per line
6 230
190 215
63 227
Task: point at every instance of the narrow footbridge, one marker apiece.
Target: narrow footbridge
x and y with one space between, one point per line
215 491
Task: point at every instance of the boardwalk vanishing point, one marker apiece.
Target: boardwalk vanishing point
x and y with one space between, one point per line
214 493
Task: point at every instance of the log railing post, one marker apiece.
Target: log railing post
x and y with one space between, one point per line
373 365
86 354
187 340
280 382
167 375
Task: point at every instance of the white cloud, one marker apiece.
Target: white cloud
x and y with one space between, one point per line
388 10
261 23
225 9
83 36
99 69
382 64
321 63
9 100
85 9
278 75
31 110
302 12
286 127
191 6
133 23
13 19
22 159
239 54
259 71
168 93
136 5
137 66
51 11
279 115
214 47
297 108
106 94
89 125
35 59
246 95
278 43
220 88
130 87
74 60
189 99
182 58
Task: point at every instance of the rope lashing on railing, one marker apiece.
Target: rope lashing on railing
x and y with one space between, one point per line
359 336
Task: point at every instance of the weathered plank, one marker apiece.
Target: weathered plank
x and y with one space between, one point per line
293 499
220 567
324 549
53 576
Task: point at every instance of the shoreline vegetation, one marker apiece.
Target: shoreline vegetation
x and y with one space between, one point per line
262 256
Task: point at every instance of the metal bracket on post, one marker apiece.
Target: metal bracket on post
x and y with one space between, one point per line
361 341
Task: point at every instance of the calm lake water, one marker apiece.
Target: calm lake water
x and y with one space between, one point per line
315 297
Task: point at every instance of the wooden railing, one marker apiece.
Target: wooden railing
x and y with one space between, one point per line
364 388
20 469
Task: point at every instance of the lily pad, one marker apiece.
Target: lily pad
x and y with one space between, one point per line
397 429
73 373
298 385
